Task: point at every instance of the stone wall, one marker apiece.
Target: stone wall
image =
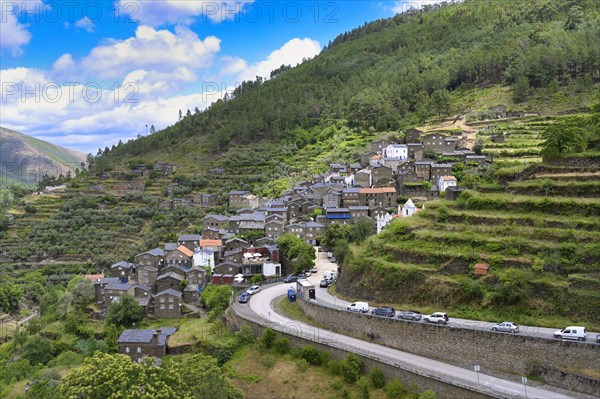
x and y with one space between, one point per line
441 388
503 353
568 380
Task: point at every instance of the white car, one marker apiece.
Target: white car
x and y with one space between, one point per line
253 290
572 332
506 326
362 307
314 270
437 317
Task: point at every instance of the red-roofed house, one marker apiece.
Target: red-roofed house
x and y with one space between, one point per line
446 181
181 257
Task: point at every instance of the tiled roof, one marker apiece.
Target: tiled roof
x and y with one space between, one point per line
449 178
377 190
184 250
94 277
211 243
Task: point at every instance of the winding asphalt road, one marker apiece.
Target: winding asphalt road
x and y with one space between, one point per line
261 305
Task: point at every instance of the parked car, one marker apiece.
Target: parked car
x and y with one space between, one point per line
314 270
253 290
329 254
332 260
506 326
598 338
290 279
244 297
306 273
572 332
409 315
358 307
437 317
325 283
386 311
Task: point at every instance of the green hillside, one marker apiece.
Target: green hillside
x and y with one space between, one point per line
25 160
531 56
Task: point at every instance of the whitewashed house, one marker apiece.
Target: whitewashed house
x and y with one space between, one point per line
382 221
397 151
408 209
446 181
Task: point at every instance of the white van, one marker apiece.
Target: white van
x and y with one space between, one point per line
572 332
328 275
358 307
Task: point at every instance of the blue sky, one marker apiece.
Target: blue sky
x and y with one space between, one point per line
84 74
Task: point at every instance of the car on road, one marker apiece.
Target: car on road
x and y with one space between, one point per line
386 311
506 326
329 254
598 338
572 332
410 315
437 317
253 290
325 283
290 279
244 297
358 307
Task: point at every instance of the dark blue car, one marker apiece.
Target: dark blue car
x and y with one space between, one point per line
244 297
290 279
386 311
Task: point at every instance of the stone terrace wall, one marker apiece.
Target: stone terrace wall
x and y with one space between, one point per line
504 353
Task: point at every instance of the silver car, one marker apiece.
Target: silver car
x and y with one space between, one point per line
506 326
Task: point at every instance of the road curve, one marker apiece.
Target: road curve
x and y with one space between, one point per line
260 306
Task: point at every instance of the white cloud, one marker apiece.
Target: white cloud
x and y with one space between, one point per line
155 50
86 24
291 53
162 12
81 118
13 34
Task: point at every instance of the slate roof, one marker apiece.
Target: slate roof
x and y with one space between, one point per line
108 280
118 287
189 237
169 291
122 263
145 336
220 218
173 275
170 246
154 252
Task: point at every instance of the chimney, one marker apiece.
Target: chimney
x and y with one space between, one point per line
155 337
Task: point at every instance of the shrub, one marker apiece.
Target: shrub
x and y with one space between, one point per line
427 394
364 391
335 366
38 350
377 378
245 336
302 365
268 338
282 346
395 389
352 368
311 355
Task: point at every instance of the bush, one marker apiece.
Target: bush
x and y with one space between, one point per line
427 394
377 378
38 350
335 366
395 389
352 368
311 355
268 338
282 346
245 336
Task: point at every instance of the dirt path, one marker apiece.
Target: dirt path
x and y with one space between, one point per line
469 132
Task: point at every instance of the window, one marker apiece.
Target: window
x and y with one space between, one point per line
126 349
139 349
171 306
162 307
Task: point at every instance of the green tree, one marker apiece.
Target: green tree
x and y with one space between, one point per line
216 297
125 312
478 146
440 100
562 137
521 89
38 350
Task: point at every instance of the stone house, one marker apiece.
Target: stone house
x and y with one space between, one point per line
204 200
227 268
354 167
113 292
379 173
169 281
350 196
362 178
413 136
238 199
173 269
147 275
167 304
439 170
166 168
181 257
337 215
366 158
377 212
414 149
423 169
99 286
434 141
274 229
139 344
216 221
234 243
480 160
233 256
190 241
125 271
357 212
384 196
153 258
452 193
379 145
196 275
332 198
